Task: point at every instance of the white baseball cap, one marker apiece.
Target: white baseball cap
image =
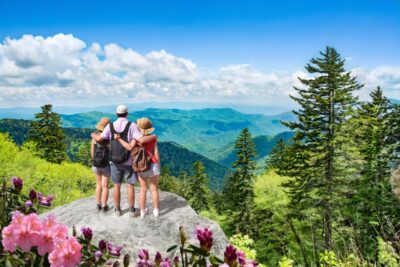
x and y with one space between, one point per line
121 109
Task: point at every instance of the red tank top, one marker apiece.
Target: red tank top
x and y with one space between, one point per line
149 148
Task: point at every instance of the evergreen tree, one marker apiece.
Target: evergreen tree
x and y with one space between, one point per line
375 209
275 159
48 135
320 144
238 188
198 191
167 181
83 154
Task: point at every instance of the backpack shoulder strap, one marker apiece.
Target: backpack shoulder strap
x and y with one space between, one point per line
127 126
112 130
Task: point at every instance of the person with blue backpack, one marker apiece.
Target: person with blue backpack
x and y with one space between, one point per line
120 156
101 166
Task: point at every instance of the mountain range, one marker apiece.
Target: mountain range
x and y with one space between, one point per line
204 131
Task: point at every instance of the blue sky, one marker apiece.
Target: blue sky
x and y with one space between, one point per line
269 36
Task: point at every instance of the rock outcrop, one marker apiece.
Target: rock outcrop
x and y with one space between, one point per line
154 234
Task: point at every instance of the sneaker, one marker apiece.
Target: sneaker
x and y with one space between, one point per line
98 207
144 212
105 208
118 212
155 212
133 212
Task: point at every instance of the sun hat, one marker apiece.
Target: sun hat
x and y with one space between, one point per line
145 126
121 109
102 123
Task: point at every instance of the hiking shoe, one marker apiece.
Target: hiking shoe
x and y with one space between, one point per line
105 208
98 207
144 212
118 212
155 212
133 212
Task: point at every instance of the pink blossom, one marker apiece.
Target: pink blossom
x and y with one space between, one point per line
8 238
205 238
67 253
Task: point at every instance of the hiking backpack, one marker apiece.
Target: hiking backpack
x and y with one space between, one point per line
118 153
100 155
141 160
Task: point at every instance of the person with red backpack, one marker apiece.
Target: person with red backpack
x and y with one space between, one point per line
152 168
101 166
122 135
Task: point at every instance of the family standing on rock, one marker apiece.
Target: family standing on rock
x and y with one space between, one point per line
125 151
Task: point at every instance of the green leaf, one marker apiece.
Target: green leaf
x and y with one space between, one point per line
172 248
215 260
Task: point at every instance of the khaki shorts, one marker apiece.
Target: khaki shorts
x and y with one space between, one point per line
152 171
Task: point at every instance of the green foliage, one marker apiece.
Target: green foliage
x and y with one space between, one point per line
238 188
286 262
67 181
48 135
373 205
168 182
244 243
387 255
326 104
177 158
83 155
198 193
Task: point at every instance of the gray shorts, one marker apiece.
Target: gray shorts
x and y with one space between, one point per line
152 171
119 172
101 170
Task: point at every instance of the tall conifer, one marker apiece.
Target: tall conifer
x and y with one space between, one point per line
326 103
48 136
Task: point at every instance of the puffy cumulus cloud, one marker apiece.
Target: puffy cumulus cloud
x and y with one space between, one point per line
63 69
387 77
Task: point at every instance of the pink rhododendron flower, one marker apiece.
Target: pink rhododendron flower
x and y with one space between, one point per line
205 238
67 253
27 233
8 238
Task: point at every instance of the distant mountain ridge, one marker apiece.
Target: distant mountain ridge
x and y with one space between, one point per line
203 131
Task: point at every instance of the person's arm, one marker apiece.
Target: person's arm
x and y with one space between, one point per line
147 138
156 153
92 149
97 137
126 145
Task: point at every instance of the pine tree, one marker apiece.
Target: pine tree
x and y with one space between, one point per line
275 159
83 154
238 188
167 181
198 191
375 209
320 174
47 134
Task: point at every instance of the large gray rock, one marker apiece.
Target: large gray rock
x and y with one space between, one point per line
154 234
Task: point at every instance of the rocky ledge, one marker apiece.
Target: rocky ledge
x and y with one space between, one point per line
154 234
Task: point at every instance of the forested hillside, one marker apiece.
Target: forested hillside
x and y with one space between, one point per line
174 156
202 131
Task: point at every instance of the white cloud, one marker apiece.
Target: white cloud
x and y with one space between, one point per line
64 70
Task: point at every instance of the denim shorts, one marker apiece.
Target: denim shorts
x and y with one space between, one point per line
152 171
101 170
120 172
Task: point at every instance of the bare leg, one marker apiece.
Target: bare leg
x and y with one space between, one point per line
154 191
98 188
131 195
104 185
143 192
117 195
